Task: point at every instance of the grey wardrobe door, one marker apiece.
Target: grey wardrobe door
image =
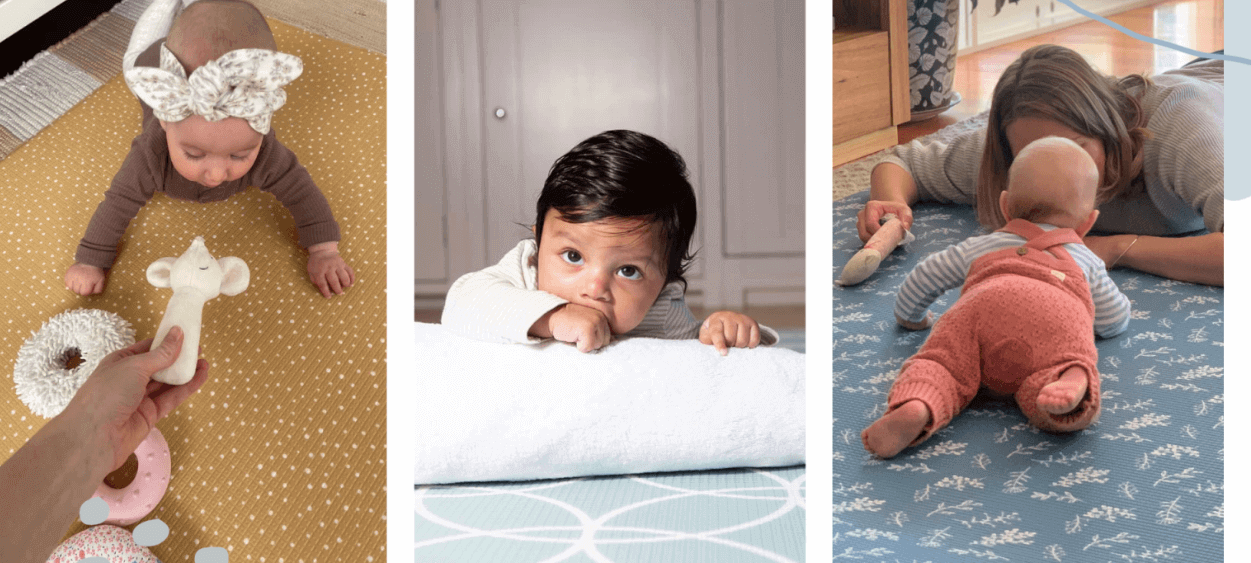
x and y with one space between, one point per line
556 72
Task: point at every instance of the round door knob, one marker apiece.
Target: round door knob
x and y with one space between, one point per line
500 113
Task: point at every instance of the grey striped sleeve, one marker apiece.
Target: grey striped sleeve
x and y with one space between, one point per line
670 318
944 170
1112 308
1185 155
947 269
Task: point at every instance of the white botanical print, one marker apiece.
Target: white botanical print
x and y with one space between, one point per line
1145 483
244 83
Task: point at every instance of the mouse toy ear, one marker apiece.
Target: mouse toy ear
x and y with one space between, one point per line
159 272
235 275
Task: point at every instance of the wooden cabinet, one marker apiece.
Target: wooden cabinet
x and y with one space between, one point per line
871 95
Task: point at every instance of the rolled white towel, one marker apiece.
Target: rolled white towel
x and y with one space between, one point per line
488 411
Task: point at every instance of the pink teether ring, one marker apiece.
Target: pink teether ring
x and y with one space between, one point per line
109 542
131 503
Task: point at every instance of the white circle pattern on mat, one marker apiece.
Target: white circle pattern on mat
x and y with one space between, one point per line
725 515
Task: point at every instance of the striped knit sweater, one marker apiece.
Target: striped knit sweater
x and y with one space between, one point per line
502 302
1183 161
947 269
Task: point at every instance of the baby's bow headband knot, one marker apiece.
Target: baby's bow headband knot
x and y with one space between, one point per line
244 83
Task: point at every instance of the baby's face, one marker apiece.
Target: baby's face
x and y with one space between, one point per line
614 266
211 152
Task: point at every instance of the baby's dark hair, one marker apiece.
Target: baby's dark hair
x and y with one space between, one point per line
625 174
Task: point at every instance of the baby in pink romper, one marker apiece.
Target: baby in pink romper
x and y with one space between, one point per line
1033 298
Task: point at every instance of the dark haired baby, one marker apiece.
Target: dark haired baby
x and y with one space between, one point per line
611 243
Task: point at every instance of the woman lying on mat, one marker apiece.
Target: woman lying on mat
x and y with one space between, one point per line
1157 142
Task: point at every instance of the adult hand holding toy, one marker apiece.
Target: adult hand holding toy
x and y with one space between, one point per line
62 464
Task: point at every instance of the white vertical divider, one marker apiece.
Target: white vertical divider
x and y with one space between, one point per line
819 276
401 186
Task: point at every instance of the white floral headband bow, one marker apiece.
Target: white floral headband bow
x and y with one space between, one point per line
244 83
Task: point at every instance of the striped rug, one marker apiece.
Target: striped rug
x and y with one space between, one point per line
55 80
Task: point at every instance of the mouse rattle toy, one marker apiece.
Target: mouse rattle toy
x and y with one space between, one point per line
880 245
195 278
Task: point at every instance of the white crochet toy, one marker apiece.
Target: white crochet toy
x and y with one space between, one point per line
195 277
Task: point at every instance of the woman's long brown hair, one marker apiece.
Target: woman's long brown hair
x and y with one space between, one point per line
1055 83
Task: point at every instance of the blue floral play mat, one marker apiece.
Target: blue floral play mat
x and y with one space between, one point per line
1144 484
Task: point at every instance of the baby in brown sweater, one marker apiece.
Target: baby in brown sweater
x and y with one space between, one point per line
209 137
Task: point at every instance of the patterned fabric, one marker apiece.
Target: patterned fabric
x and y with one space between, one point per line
1144 483
726 516
244 83
932 51
108 543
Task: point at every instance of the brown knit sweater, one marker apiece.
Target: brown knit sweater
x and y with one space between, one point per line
147 170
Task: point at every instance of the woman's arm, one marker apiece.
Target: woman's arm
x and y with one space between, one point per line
892 190
1198 259
46 481
890 182
942 168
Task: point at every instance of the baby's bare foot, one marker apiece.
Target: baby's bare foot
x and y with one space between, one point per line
1063 395
896 429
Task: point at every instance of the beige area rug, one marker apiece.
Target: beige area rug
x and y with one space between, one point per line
281 455
853 177
362 23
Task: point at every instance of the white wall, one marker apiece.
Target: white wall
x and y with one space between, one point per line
723 84
16 14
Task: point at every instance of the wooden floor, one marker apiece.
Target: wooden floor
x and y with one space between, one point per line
1197 24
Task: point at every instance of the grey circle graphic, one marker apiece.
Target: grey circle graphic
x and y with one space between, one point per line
151 533
212 555
94 511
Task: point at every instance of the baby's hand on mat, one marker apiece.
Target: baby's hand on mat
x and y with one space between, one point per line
726 329
575 324
84 280
925 323
327 269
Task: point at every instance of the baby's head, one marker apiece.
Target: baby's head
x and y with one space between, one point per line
614 225
1052 180
203 151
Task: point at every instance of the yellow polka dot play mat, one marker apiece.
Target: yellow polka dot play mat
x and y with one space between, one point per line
281 455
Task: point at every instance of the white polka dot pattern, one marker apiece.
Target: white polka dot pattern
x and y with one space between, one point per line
281 455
